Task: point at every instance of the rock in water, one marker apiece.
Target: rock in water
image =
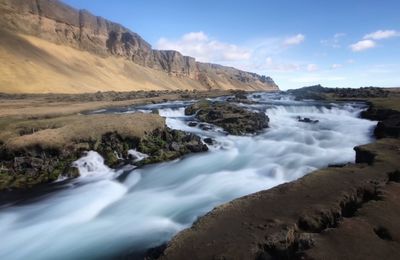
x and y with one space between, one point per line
307 120
233 119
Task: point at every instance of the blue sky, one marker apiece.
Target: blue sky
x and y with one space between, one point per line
298 43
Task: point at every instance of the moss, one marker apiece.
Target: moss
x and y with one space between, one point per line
110 158
5 180
152 144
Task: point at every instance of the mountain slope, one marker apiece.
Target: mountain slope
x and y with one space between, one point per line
47 46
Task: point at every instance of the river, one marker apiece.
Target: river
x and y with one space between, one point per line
107 213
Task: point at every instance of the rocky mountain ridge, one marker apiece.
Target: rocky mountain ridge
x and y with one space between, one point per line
59 23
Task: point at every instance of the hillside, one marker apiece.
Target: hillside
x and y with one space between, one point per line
47 46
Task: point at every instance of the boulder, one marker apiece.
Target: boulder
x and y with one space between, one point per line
208 140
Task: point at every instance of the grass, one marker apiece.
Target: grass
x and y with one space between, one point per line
58 132
390 102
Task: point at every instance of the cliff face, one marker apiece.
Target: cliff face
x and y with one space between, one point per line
58 23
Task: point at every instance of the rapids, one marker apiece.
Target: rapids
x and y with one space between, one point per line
115 212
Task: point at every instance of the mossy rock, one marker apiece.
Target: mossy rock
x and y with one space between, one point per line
233 119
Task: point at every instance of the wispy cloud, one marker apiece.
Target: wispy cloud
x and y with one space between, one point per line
294 40
312 67
336 66
200 46
333 42
382 34
362 45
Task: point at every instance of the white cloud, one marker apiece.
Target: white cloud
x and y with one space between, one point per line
200 46
333 42
368 41
362 45
294 40
195 36
312 67
336 66
382 34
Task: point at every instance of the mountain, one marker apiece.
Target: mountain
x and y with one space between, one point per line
48 46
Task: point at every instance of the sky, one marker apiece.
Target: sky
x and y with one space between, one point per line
341 43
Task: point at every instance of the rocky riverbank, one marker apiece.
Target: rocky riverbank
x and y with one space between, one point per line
44 153
344 212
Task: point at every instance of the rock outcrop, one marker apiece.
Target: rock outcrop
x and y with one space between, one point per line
318 92
61 24
233 119
389 121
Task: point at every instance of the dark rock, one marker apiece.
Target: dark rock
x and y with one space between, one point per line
167 144
313 92
208 140
378 114
364 155
205 127
389 125
307 120
192 124
233 119
240 97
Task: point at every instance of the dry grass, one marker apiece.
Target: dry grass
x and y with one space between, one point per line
391 102
35 119
61 131
49 106
35 108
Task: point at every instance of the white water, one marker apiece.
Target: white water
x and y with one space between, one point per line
100 216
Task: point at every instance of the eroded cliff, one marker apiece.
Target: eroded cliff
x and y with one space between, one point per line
60 24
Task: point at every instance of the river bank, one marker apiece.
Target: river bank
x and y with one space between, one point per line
348 211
